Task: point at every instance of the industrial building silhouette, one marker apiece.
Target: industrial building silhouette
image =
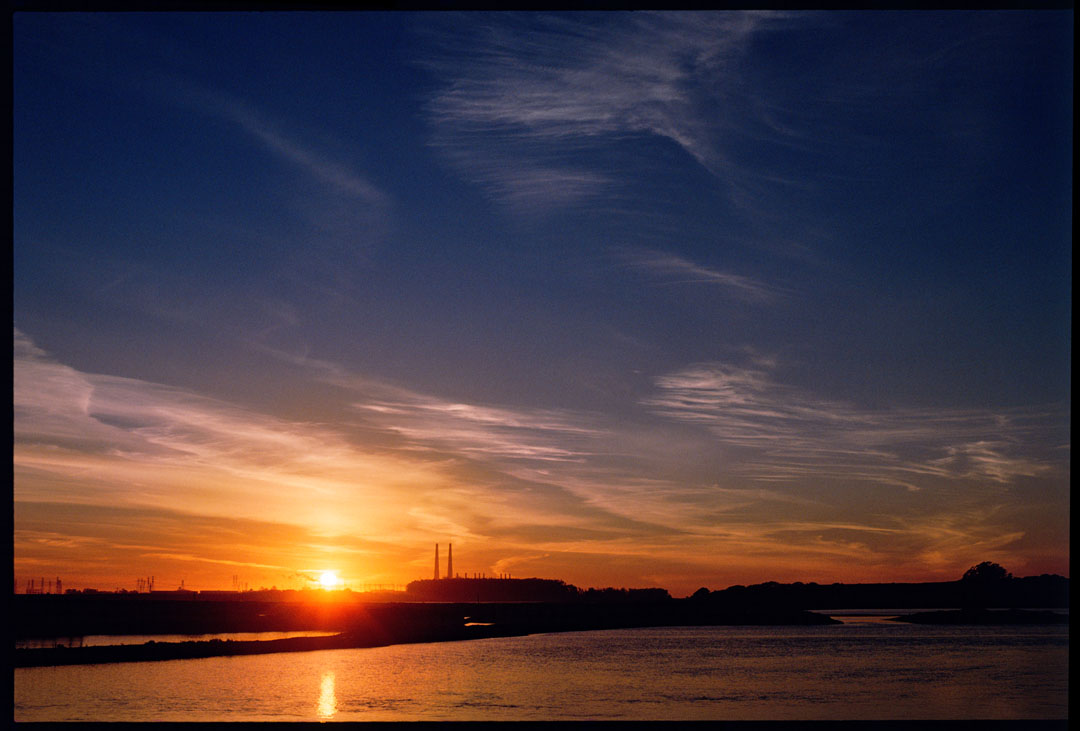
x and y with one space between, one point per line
450 567
479 587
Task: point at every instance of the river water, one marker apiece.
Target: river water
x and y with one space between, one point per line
858 670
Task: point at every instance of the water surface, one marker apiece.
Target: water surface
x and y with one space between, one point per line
850 671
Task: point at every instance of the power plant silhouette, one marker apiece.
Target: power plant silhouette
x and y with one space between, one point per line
450 567
476 587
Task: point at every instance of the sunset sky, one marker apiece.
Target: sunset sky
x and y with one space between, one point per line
624 299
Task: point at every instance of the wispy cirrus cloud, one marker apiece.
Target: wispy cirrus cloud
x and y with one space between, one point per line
136 442
321 193
789 434
397 465
543 435
672 269
721 461
767 432
771 497
336 175
539 91
427 422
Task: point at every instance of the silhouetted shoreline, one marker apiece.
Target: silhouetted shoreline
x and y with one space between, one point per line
515 621
356 622
380 625
984 616
1048 591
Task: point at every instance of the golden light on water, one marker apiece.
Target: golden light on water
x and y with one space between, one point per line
327 695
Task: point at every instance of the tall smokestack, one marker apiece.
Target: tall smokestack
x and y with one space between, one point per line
450 561
436 562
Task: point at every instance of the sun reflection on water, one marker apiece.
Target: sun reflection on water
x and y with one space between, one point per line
327 697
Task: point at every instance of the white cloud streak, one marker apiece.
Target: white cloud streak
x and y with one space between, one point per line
428 422
796 435
334 174
407 464
120 440
543 435
672 269
397 465
338 177
540 88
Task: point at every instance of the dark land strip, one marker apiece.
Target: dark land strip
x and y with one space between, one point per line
984 616
366 625
443 615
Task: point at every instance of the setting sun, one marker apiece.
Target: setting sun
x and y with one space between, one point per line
329 580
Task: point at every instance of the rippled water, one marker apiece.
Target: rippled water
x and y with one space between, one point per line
856 671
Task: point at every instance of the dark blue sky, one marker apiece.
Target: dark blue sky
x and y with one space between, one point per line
618 260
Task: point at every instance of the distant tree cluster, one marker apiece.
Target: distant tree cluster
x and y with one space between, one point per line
987 571
611 594
984 585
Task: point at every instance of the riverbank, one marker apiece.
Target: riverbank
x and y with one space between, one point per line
429 623
984 616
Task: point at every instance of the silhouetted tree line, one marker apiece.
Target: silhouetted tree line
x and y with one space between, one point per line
521 605
985 585
624 595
